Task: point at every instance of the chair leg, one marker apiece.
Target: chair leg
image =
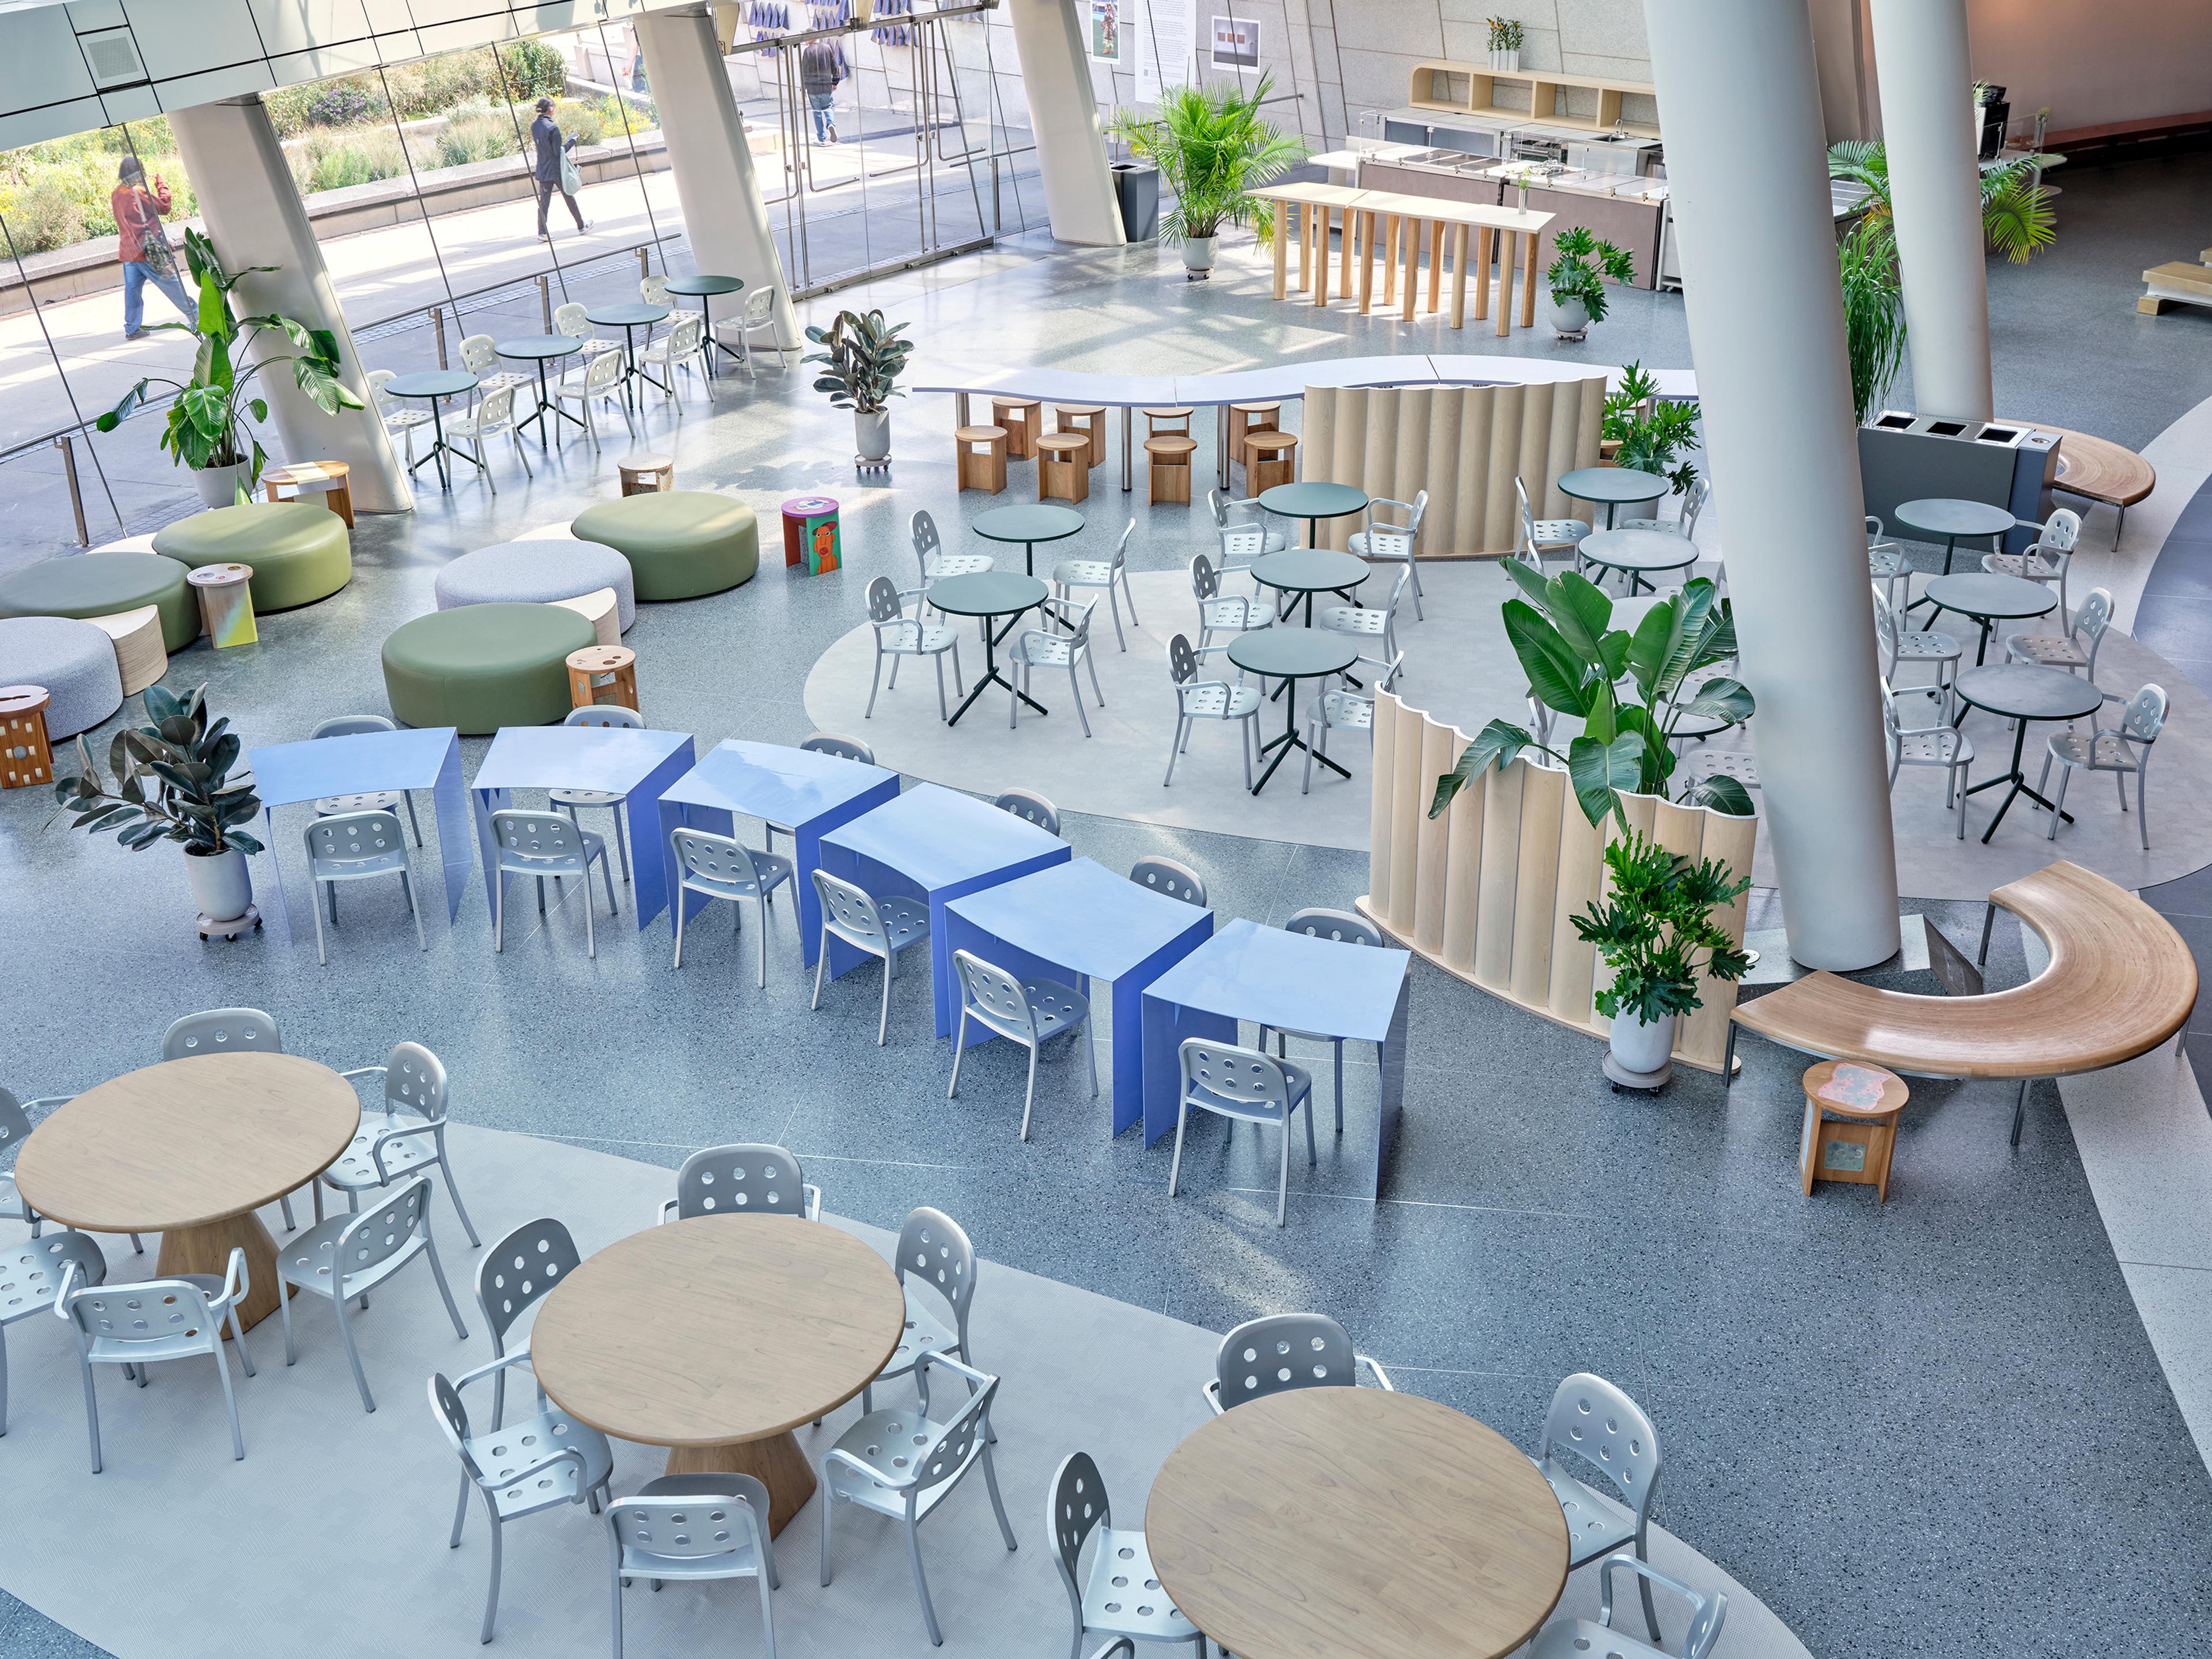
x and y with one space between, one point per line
91 1411
1283 1184
322 956
1091 1053
622 850
498 912
1175 1168
960 1053
1312 1155
491 1591
590 941
413 822
284 1203
438 1272
1114 605
1414 565
873 679
828 1512
921 1582
938 658
1075 691
821 965
1339 1085
230 1401
1092 663
2142 809
606 874
2058 802
884 1023
1029 1099
1174 748
353 1357
677 899
764 944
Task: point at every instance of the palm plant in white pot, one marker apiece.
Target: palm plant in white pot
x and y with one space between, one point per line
1212 147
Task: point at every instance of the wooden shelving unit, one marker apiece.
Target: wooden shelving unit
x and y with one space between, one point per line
1545 89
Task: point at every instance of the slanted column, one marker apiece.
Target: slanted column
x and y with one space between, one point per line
1079 189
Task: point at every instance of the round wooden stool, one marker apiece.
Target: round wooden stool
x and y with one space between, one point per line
1063 466
602 608
603 673
332 480
226 603
1270 459
1850 1125
646 475
1170 466
1021 416
25 756
1171 421
982 452
139 653
1244 419
1089 419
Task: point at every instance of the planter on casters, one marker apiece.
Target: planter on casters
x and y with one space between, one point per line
222 888
1641 1055
1569 319
872 438
1198 257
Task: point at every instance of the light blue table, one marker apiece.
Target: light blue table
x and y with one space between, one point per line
1292 982
286 774
807 793
937 844
617 760
1080 921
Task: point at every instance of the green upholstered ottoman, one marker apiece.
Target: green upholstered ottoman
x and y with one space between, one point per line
483 666
680 543
87 585
298 550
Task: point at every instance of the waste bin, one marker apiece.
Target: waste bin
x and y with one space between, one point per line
1137 188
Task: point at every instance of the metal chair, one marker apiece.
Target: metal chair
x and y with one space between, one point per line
1344 927
599 381
133 1325
1109 574
898 634
31 1275
881 927
903 1463
1177 881
615 716
480 356
2077 652
513 1277
231 1031
1542 539
1939 745
350 1255
1384 541
936 563
654 290
1216 615
573 319
689 1529
1031 808
376 800
406 1137
2120 752
534 1465
1572 1638
757 1180
1121 1595
1242 545
1685 525
1199 700
493 414
1886 562
1344 711
1609 1434
1030 1011
824 742
759 314
1363 621
543 844
936 1258
356 847
1279 1352
400 420
1929 646
1243 1083
14 1130
2045 559
723 867
1229 512
684 346
1066 646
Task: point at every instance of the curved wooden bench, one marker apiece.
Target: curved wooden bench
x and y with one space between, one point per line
2098 469
2121 981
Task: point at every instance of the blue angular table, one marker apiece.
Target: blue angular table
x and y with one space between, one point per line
809 793
1079 921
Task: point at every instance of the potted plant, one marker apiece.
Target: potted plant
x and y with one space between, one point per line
1650 926
1505 45
1212 147
206 429
864 357
172 782
1647 434
1576 275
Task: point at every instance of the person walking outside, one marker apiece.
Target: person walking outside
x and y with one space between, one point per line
143 246
820 69
548 168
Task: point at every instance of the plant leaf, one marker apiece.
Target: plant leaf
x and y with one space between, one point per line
1722 794
1599 771
1498 744
1556 678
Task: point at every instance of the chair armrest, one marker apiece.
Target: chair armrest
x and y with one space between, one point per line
363 1071
928 1360
46 1100
1120 1648
1381 1377
1642 1570
882 1477
666 1213
515 1477
813 1196
237 1278
519 1357
1210 1390
376 1146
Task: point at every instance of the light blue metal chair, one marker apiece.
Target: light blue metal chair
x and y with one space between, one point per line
1243 1083
723 867
31 1275
1232 614
1279 1352
2077 652
1199 700
1111 574
1607 1434
936 1260
1065 643
406 1137
1686 525
1387 540
2122 753
543 844
513 1277
622 717
1887 563
741 1179
226 1031
1547 538
1119 1594
880 926
690 1528
135 1325
363 846
2044 560
1578 1638
1030 1011
379 800
899 636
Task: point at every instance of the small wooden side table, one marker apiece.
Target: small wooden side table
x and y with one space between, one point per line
1850 1125
982 457
603 673
1171 421
1089 419
1021 416
646 475
226 603
1171 467
332 480
25 756
140 656
1063 466
1270 459
1244 419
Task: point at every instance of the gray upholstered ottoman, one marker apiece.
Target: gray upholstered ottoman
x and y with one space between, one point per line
74 660
539 571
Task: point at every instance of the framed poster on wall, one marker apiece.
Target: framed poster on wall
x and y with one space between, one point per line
1107 18
1236 43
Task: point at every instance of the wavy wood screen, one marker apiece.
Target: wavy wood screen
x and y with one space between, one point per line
1489 891
1463 444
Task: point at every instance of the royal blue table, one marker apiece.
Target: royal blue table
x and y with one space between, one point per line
364 764
808 793
616 760
1292 982
1079 921
937 844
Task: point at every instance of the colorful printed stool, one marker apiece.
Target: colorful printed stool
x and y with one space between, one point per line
1850 1125
810 533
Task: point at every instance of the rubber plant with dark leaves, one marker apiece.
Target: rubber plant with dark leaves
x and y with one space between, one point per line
1654 919
206 419
865 355
170 782
1578 664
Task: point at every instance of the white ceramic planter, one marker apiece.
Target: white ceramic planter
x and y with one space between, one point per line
1506 62
1640 1047
222 887
1570 321
218 485
1198 253
871 434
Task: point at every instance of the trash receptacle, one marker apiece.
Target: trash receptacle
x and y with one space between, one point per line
1137 188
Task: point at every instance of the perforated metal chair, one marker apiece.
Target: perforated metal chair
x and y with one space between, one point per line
936 1270
723 867
14 1130
882 927
1545 538
30 1274
1230 512
1367 621
824 742
406 1136
1030 1011
350 1255
758 314
1390 540
1242 546
356 847
1111 574
903 1463
1119 1594
599 381
748 1179
513 1277
1939 745
684 346
1608 1433
573 319
1243 1083
231 1031
1344 927
1345 711
543 844
2120 752
400 420
2045 559
1685 525
615 716
1199 700
373 801
1279 1352
1886 563
1177 881
1573 1638
156 1319
480 356
899 636
690 1528
2077 652
1064 644
492 415
1900 647
935 563
1236 614
1031 808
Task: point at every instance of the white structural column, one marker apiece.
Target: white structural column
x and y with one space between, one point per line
724 215
1079 189
1930 135
254 216
1766 332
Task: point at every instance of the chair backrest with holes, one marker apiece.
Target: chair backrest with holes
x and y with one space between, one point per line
414 1081
570 320
381 1233
15 1124
223 1031
759 306
1608 1432
496 409
685 334
1177 881
1885 623
546 837
942 1459
1528 519
932 1250
1238 541
602 371
152 1310
989 989
2091 618
926 540
1709 1614
1345 926
1252 1080
1203 582
453 1418
1383 542
354 838
654 290
518 1270
479 353
750 1180
1077 1507
1420 512
848 910
1182 661
2060 534
347 726
1347 710
1281 1352
1893 728
31 1273
851 749
2144 718
1121 544
605 714
1693 503
378 380
1214 499
721 861
1032 807
884 603
697 1529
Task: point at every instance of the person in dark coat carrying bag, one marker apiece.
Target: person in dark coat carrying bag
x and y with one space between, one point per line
552 168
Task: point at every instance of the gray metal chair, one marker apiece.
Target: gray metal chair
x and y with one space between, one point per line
1573 1638
406 1137
1344 711
936 1268
1242 546
1177 881
723 867
534 1465
1217 614
1066 644
1030 1011
349 1255
936 563
14 1130
2121 752
1119 1594
750 1179
822 743
903 1463
2045 559
1345 928
1279 1352
2077 652
1199 700
1543 538
1886 562
480 356
1939 745
543 844
1608 1434
1235 513
1366 622
1900 647
230 1030
1390 541
882 927
362 846
1243 1083
614 714
1031 808
377 800
689 1528
1685 525
513 1277
134 1325
1111 574
31 1276
899 636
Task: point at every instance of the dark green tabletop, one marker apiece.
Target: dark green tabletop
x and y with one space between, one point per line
699 285
637 316
1027 524
1617 484
1313 501
1280 652
431 383
1979 593
1638 549
1941 515
2029 691
540 346
1309 570
987 594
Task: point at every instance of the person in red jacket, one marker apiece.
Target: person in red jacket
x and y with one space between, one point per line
143 246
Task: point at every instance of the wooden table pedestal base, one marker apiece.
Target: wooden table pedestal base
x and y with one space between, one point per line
776 1463
206 1249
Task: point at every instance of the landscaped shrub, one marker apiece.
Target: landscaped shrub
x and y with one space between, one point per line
47 213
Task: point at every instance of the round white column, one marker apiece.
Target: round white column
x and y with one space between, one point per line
1930 136
1740 104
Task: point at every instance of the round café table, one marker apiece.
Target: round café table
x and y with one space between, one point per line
434 386
1639 553
1615 486
1358 1524
717 1336
703 289
1028 525
1313 502
1940 517
629 319
541 349
191 1149
1308 571
988 595
1291 655
2021 692
1988 599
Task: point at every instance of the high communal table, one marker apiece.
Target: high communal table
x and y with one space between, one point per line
191 1149
1290 982
1079 921
1303 572
1639 553
988 595
705 290
2022 692
808 793
541 350
936 845
1313 502
1291 655
434 386
1989 598
629 318
1028 525
1615 486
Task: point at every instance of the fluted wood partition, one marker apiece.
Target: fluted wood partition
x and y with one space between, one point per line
1463 444
1489 891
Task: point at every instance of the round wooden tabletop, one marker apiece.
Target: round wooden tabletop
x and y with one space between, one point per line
1359 1523
718 1330
1852 1090
187 1142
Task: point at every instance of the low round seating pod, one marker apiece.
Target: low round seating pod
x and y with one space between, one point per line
479 667
76 663
85 585
681 543
539 572
300 551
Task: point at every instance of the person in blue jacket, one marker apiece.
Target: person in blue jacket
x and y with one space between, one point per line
550 149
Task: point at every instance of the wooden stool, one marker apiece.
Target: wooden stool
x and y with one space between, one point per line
648 475
25 756
1090 419
1247 418
602 608
140 656
1064 466
982 451
226 603
332 480
1021 416
1270 459
1167 423
603 673
1850 1125
1169 459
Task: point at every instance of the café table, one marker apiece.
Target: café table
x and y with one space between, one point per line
988 595
541 350
1941 517
2022 692
629 318
434 386
705 288
1028 525
1313 502
1615 486
1988 599
1306 571
1291 655
717 1336
1639 553
191 1149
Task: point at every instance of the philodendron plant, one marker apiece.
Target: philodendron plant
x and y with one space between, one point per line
865 355
1654 918
170 782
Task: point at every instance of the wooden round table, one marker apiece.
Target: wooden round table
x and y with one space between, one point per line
1358 1524
716 1338
190 1149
